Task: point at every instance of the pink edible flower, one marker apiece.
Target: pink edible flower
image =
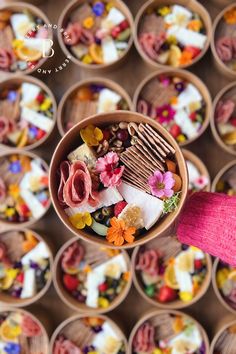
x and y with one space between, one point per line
161 184
165 113
110 173
201 182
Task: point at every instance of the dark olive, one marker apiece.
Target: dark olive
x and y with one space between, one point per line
98 216
107 211
107 222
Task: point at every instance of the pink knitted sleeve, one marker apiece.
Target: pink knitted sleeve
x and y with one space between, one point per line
208 221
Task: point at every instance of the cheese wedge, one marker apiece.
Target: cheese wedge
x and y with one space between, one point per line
83 153
108 100
190 95
115 16
188 128
36 208
107 341
151 207
193 172
39 120
39 252
109 50
187 341
179 16
29 284
21 25
29 92
187 37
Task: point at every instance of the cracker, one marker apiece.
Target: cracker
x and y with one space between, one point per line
156 94
148 156
134 156
81 13
158 138
76 111
79 333
136 167
14 244
134 185
10 110
152 141
153 24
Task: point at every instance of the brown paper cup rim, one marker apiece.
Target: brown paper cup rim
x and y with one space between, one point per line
218 334
220 174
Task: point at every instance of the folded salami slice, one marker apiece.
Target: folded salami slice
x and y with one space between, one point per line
72 257
64 175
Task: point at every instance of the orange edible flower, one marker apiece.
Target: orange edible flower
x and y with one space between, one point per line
186 57
126 276
174 100
118 233
230 16
195 25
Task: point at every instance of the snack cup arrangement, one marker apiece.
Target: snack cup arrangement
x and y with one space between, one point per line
225 180
168 331
24 193
88 97
170 275
25 264
224 284
223 122
23 30
89 278
224 342
21 332
97 34
198 175
223 41
176 99
89 173
174 33
27 112
88 334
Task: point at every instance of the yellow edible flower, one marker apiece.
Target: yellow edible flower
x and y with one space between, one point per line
109 6
80 220
103 302
185 296
157 351
171 40
195 25
91 135
221 276
88 22
14 191
163 11
46 104
87 59
9 212
17 43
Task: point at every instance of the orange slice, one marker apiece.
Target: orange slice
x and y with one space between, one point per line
96 53
28 54
170 277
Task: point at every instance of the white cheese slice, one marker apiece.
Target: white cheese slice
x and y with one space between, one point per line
42 45
193 172
184 280
181 10
29 284
102 339
29 92
188 128
109 50
179 16
36 208
150 206
37 119
198 254
190 95
21 25
108 100
36 171
94 279
192 339
187 37
39 252
121 45
115 16
106 197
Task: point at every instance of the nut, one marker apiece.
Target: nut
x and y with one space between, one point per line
117 143
118 150
114 127
132 128
134 140
102 148
123 125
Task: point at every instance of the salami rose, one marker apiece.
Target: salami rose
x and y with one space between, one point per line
72 257
73 34
2 190
64 175
224 111
144 339
65 346
6 58
30 328
87 37
148 262
224 49
151 44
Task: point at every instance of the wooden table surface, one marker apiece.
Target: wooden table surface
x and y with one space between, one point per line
208 310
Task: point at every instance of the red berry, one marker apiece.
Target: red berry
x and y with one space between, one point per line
103 287
40 98
197 264
193 116
119 207
106 134
122 134
115 31
20 277
23 210
71 283
31 34
124 24
40 134
195 51
175 130
166 294
233 121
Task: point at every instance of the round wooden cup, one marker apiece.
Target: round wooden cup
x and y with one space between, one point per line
177 304
112 85
185 75
223 69
221 173
15 225
22 7
214 129
219 333
62 23
67 322
192 5
18 80
6 299
35 2
153 313
217 291
70 300
70 141
190 156
44 347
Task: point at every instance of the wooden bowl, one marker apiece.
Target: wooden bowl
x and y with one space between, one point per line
220 332
18 80
153 313
39 344
221 173
190 156
162 243
188 76
70 141
63 20
192 5
225 91
222 68
112 85
69 321
70 300
15 225
6 299
21 7
217 291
